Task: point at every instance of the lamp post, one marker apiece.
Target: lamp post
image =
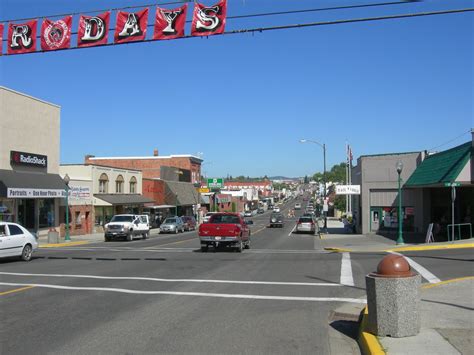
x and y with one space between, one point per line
66 180
400 217
324 175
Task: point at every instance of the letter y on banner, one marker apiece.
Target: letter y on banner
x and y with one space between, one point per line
209 21
22 37
169 24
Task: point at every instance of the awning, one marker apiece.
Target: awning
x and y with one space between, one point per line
181 193
441 168
124 199
18 184
205 200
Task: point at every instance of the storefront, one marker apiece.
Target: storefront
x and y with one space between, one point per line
108 205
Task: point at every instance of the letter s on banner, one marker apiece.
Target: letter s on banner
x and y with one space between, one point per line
93 30
210 20
169 24
21 37
131 26
56 34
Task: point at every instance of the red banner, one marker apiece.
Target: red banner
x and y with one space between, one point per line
56 34
209 20
1 38
93 30
131 26
21 37
169 24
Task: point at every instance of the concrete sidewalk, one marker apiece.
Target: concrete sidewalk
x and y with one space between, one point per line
75 240
339 239
447 321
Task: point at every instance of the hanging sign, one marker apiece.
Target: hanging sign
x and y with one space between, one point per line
347 189
93 30
210 20
56 34
169 24
131 26
21 37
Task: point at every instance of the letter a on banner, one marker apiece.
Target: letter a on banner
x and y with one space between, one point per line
169 24
21 37
56 34
209 20
131 26
93 30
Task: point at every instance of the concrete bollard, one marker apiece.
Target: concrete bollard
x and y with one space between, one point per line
393 298
53 236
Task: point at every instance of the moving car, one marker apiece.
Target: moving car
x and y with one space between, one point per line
15 240
260 211
276 209
276 220
207 216
189 223
306 224
248 213
297 206
172 225
127 226
227 229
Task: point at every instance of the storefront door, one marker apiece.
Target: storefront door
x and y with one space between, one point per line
375 218
26 213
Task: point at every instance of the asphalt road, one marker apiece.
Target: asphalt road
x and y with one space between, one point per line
162 295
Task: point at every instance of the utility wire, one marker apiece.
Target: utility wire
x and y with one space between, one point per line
450 141
284 27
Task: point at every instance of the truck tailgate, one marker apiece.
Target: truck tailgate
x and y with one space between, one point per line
219 230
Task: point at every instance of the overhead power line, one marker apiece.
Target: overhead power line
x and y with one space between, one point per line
291 26
451 140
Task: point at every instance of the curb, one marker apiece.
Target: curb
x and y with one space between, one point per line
66 244
434 247
369 344
338 250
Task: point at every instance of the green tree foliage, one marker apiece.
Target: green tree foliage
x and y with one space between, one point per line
340 202
336 174
306 180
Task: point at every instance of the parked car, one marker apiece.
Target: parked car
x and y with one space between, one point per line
172 225
228 229
248 213
260 211
127 226
297 206
189 223
306 224
276 220
276 209
17 241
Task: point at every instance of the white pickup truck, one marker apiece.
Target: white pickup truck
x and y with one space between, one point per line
127 226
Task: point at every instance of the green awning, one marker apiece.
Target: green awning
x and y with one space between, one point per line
440 168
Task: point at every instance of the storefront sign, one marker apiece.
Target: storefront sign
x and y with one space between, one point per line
79 192
215 183
31 159
35 193
203 190
347 189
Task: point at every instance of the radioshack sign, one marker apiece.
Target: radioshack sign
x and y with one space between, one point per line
31 159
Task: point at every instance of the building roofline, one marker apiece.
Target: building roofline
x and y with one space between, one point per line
385 154
103 166
149 157
29 96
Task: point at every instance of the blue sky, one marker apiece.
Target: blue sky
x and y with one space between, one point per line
246 100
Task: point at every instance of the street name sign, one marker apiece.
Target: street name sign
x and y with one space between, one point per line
347 189
452 184
215 183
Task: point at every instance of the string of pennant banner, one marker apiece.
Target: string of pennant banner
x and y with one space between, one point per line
130 27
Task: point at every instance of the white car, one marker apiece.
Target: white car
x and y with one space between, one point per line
16 240
276 209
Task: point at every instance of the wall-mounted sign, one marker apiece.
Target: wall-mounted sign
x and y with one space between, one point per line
13 192
79 192
215 183
203 190
31 159
347 189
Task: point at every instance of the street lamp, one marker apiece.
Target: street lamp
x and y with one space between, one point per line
66 180
400 218
324 174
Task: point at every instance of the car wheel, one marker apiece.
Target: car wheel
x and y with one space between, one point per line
176 231
247 245
204 249
27 253
145 235
239 248
107 239
130 236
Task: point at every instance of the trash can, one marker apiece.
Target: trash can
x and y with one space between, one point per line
53 237
393 298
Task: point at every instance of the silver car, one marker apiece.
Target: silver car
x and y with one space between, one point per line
172 225
306 224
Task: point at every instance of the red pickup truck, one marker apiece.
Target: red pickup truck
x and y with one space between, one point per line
228 229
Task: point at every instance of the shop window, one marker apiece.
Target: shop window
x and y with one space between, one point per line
6 210
77 219
103 184
46 213
133 185
119 184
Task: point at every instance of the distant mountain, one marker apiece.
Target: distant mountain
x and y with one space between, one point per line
283 178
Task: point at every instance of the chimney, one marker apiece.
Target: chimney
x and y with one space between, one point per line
86 158
155 152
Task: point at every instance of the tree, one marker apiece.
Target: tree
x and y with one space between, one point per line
306 180
340 202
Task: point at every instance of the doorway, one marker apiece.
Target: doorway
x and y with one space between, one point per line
26 214
375 218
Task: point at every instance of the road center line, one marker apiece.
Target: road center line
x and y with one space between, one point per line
420 269
16 290
174 280
198 294
346 270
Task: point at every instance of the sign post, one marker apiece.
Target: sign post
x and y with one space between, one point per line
453 199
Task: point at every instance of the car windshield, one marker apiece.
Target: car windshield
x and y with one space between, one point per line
170 220
223 218
122 219
305 220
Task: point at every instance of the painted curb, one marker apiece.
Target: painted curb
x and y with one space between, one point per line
445 282
338 250
369 344
434 247
68 244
